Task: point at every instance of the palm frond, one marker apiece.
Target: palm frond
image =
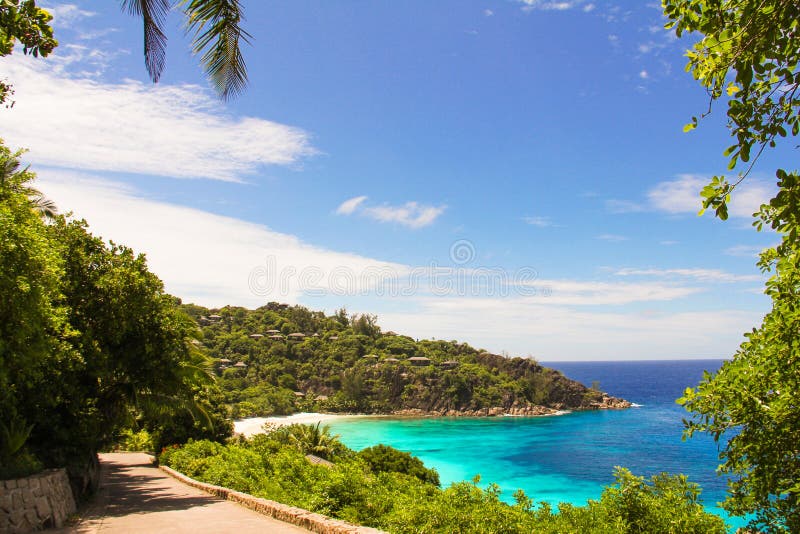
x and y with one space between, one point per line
44 206
217 34
153 13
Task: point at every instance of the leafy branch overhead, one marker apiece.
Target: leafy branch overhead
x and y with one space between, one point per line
748 55
21 21
216 25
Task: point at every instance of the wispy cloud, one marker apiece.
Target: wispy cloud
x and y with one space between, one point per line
744 251
540 221
551 5
682 195
548 332
178 131
65 15
411 214
349 206
203 257
701 275
623 206
612 238
488 12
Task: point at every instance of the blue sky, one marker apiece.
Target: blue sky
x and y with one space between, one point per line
513 174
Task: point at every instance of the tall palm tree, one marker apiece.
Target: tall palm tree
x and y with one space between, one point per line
217 33
16 180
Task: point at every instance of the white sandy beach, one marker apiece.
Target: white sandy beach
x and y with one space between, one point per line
254 425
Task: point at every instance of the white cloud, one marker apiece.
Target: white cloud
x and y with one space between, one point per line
668 242
744 251
593 293
588 8
488 12
701 275
541 222
548 332
613 238
549 5
179 131
207 258
210 259
643 74
411 214
682 195
65 15
623 206
349 206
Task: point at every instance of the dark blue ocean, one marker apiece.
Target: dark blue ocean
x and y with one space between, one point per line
566 458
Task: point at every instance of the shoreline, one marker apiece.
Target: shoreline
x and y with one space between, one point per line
252 426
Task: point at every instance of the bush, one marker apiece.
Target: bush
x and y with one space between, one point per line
382 458
370 488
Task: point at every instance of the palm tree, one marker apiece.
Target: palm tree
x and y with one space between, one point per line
311 439
16 180
217 32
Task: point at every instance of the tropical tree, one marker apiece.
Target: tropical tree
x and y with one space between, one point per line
216 25
18 179
312 439
748 54
21 21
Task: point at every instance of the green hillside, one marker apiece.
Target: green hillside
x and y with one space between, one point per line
280 359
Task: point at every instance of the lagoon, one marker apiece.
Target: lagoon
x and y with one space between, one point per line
565 458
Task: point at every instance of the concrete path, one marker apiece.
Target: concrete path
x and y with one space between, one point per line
135 496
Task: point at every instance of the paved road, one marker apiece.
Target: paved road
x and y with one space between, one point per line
135 496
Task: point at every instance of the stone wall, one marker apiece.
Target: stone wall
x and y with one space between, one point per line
39 501
288 514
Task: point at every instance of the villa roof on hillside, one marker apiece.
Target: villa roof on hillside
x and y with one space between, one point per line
273 331
215 316
419 359
276 336
299 394
391 360
334 338
240 365
374 356
256 336
297 334
224 360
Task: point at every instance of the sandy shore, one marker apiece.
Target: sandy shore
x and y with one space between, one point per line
254 425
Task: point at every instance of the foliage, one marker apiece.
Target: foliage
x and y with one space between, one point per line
385 459
352 489
21 21
135 441
346 364
89 342
748 54
752 400
217 32
310 439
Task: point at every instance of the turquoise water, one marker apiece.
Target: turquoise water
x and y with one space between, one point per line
566 458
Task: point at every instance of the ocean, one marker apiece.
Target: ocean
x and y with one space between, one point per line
565 458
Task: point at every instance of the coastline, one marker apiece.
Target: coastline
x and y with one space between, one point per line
255 425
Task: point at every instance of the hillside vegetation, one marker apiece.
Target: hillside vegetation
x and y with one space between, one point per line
279 359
